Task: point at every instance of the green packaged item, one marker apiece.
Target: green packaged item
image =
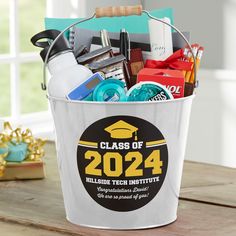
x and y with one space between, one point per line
148 91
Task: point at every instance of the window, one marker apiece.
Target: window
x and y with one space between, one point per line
20 63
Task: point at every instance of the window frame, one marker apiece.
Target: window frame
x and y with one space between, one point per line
15 58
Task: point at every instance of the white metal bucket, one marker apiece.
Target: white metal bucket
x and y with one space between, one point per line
138 186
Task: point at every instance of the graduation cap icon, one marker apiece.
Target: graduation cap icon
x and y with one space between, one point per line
121 130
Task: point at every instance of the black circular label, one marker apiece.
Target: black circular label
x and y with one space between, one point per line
122 161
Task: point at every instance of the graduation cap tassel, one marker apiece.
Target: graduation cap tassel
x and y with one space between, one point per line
136 136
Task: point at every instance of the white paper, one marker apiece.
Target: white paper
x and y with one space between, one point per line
160 39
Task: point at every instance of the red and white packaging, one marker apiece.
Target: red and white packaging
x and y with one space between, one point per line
173 80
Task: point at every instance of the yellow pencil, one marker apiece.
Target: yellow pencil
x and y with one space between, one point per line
198 60
195 49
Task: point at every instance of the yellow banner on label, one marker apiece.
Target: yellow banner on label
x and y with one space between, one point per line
88 144
155 143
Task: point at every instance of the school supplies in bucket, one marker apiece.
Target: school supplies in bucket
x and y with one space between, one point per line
121 162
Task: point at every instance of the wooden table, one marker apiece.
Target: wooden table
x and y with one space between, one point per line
207 205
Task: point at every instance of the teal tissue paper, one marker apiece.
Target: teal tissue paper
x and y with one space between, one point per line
133 24
17 152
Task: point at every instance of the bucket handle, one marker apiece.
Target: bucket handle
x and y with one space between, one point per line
118 11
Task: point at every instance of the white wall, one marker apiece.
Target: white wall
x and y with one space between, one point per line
69 8
211 23
81 8
212 131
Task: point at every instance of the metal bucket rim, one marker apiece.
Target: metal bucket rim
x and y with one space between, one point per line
191 97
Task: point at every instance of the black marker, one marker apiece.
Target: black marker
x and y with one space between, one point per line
125 44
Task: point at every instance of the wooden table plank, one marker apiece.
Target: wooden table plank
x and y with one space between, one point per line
39 203
224 195
209 183
193 219
10 229
199 175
